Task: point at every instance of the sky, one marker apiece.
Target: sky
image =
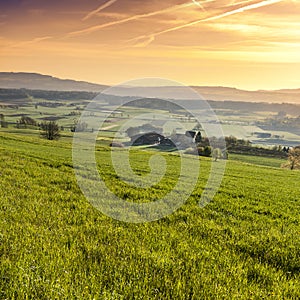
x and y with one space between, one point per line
244 44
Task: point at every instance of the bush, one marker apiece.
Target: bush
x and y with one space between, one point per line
79 127
25 120
293 162
207 151
201 151
50 130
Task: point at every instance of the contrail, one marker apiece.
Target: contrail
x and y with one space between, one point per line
136 17
242 9
33 41
147 40
216 17
198 4
101 7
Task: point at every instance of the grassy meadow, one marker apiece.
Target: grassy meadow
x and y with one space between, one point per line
245 244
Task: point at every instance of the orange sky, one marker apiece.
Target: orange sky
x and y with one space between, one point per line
244 44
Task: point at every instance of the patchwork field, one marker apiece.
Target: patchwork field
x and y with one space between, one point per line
245 244
237 119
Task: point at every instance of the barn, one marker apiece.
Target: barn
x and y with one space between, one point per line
149 138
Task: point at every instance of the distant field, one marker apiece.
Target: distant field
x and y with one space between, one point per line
238 123
245 244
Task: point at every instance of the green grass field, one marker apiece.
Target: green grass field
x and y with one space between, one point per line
245 244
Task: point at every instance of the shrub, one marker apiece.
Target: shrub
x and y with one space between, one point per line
50 130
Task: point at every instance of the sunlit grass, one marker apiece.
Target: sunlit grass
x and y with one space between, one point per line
245 244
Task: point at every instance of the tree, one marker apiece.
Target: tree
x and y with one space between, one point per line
224 154
207 151
216 154
79 126
25 120
294 158
3 124
50 130
231 141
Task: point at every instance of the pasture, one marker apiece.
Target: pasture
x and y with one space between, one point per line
245 244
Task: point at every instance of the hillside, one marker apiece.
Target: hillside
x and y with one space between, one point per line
45 82
55 245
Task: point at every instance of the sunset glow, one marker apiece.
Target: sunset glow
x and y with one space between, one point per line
244 44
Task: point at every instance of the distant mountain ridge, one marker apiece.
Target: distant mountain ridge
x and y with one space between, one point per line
233 94
216 93
37 81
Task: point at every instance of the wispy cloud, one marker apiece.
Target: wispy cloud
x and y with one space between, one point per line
242 9
237 3
33 41
136 17
144 41
139 40
97 10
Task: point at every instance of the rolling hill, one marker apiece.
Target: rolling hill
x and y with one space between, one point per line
217 93
36 81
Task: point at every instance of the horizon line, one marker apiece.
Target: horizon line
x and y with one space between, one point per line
120 84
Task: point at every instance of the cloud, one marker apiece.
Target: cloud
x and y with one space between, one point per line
238 3
33 41
242 9
198 4
101 7
215 17
143 41
133 18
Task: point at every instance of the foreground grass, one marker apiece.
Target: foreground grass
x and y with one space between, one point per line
258 160
54 245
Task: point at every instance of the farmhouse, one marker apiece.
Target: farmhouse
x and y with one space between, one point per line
183 140
149 138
